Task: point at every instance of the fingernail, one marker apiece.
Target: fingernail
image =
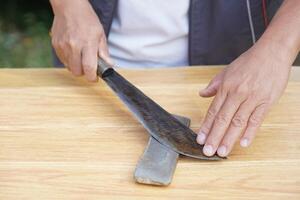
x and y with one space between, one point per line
208 150
201 138
222 151
244 142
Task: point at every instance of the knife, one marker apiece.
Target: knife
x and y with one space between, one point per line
162 126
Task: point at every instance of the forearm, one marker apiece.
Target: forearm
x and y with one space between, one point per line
60 5
282 37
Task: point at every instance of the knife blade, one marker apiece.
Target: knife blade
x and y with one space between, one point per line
162 126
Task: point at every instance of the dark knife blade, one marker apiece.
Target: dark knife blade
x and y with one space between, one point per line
158 122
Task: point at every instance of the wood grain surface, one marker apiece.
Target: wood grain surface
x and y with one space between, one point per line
64 138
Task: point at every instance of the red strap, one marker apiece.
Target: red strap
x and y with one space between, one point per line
264 12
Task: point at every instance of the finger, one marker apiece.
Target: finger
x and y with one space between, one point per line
74 61
212 87
57 46
210 116
236 128
210 90
221 123
103 51
89 62
254 123
62 58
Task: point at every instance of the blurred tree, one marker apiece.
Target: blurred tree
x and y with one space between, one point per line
24 38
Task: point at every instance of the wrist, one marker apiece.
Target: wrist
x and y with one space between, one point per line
281 50
60 6
57 5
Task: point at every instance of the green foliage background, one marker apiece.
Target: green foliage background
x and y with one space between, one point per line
24 33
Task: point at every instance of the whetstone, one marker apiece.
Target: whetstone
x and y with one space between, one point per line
157 164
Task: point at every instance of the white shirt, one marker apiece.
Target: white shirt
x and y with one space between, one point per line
150 33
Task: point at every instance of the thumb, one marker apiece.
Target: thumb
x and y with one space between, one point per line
212 88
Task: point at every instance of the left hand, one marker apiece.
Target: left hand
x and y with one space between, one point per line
244 92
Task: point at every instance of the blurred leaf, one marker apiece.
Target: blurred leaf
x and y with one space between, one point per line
24 38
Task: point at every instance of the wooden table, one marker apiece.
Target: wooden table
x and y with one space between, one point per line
64 138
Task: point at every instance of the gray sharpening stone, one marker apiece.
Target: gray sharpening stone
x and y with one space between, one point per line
157 164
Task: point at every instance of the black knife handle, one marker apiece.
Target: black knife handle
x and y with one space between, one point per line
103 68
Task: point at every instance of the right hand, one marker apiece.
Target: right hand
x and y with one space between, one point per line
78 37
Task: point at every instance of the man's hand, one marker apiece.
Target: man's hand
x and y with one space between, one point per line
78 37
244 92
247 88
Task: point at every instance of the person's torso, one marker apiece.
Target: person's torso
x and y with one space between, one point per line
219 30
150 33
